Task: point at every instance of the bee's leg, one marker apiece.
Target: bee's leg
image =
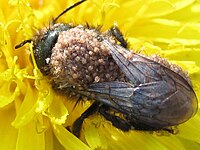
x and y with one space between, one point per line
173 130
76 128
118 35
116 120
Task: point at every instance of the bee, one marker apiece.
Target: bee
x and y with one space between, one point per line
147 93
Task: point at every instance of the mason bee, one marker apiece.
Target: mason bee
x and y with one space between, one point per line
147 93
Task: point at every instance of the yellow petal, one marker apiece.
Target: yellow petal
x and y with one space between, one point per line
26 111
68 140
190 130
8 134
29 138
57 111
93 137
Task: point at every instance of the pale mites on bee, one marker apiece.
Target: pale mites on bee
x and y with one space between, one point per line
148 92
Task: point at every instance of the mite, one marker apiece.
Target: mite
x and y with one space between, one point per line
132 91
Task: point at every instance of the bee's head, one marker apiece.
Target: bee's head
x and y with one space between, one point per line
43 44
45 40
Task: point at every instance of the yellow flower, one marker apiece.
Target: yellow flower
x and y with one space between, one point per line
33 116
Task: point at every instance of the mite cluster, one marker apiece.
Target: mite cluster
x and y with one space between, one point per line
171 66
79 59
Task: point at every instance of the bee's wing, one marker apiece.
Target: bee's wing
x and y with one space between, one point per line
157 104
155 94
140 69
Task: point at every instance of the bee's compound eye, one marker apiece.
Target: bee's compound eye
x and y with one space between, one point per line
43 46
42 50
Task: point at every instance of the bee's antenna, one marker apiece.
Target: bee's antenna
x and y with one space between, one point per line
67 9
23 43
